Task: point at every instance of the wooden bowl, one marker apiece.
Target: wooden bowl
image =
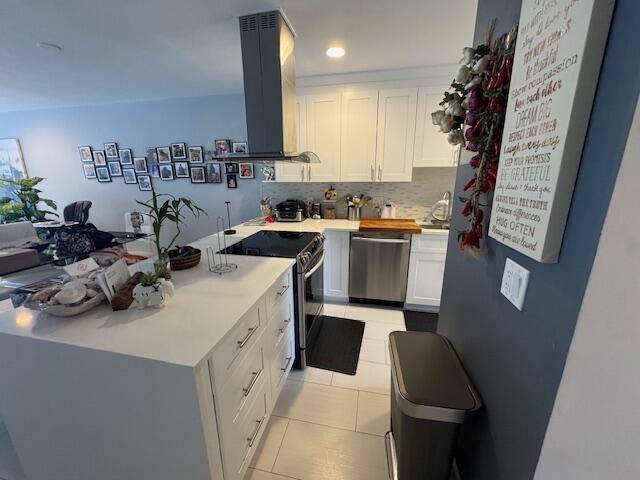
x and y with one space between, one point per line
184 261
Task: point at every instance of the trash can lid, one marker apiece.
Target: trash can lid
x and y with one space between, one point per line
428 372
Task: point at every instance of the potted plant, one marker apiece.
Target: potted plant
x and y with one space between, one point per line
151 291
171 209
23 200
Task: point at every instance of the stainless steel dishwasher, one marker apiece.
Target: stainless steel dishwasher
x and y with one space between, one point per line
378 266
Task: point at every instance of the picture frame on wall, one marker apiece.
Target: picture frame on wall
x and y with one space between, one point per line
231 168
232 181
12 164
223 147
129 175
144 183
239 147
196 155
163 154
213 173
140 165
126 158
179 151
154 169
246 170
111 149
102 173
181 169
115 169
166 171
198 175
89 171
85 153
99 158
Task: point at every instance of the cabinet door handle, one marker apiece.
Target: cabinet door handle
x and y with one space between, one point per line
288 359
309 173
284 325
373 174
243 342
379 172
252 438
302 174
247 390
283 290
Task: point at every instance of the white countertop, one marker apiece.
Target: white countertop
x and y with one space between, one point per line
204 308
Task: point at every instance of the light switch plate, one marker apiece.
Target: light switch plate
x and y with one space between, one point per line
514 283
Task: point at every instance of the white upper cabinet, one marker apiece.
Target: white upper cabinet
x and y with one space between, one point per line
396 131
431 146
358 136
296 172
323 136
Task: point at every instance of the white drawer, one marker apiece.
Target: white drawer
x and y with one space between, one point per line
281 317
279 290
242 439
237 343
282 363
240 388
429 243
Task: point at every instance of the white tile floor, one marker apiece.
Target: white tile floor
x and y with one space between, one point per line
328 425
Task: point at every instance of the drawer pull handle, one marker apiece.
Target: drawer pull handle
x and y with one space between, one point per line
284 369
243 342
247 390
252 438
284 325
283 291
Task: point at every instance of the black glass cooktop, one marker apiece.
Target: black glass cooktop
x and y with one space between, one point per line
273 244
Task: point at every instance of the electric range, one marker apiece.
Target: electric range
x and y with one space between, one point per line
308 278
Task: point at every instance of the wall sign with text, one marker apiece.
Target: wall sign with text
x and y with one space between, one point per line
555 73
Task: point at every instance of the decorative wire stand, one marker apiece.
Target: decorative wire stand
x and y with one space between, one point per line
220 266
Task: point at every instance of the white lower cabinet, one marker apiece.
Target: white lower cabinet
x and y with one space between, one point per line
336 266
247 371
426 271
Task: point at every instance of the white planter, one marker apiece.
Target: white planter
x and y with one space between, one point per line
153 295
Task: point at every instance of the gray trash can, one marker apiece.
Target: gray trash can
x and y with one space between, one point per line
431 395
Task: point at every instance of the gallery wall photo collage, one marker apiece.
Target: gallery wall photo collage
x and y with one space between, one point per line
177 161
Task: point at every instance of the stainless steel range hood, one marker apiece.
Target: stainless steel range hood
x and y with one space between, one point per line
270 89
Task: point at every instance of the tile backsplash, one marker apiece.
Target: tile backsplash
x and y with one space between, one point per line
413 199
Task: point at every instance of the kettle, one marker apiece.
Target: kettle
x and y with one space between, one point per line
388 210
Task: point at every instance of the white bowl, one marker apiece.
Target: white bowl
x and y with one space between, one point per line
71 292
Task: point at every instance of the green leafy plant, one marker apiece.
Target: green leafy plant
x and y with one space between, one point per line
149 279
23 200
171 209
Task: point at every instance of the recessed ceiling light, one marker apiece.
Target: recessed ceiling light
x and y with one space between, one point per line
335 52
50 46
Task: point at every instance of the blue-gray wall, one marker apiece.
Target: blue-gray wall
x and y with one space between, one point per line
516 358
50 140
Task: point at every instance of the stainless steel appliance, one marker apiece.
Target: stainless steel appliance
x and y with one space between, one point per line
308 278
378 266
291 211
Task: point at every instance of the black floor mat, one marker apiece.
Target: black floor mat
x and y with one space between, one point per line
420 321
337 346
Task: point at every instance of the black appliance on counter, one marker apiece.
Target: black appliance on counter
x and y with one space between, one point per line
308 278
291 211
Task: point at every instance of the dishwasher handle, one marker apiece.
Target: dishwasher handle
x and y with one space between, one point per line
379 240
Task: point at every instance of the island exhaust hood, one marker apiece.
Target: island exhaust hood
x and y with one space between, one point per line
268 67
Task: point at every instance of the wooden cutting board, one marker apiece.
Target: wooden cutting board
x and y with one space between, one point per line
398 225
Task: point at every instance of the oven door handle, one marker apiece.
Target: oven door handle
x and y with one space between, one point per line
316 267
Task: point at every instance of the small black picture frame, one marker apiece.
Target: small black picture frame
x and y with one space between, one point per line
89 171
115 169
140 165
163 154
102 173
232 181
179 151
144 183
196 155
85 153
129 175
181 169
231 168
166 171
198 175
213 173
111 149
126 158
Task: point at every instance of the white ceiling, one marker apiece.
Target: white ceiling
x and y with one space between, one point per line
118 50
